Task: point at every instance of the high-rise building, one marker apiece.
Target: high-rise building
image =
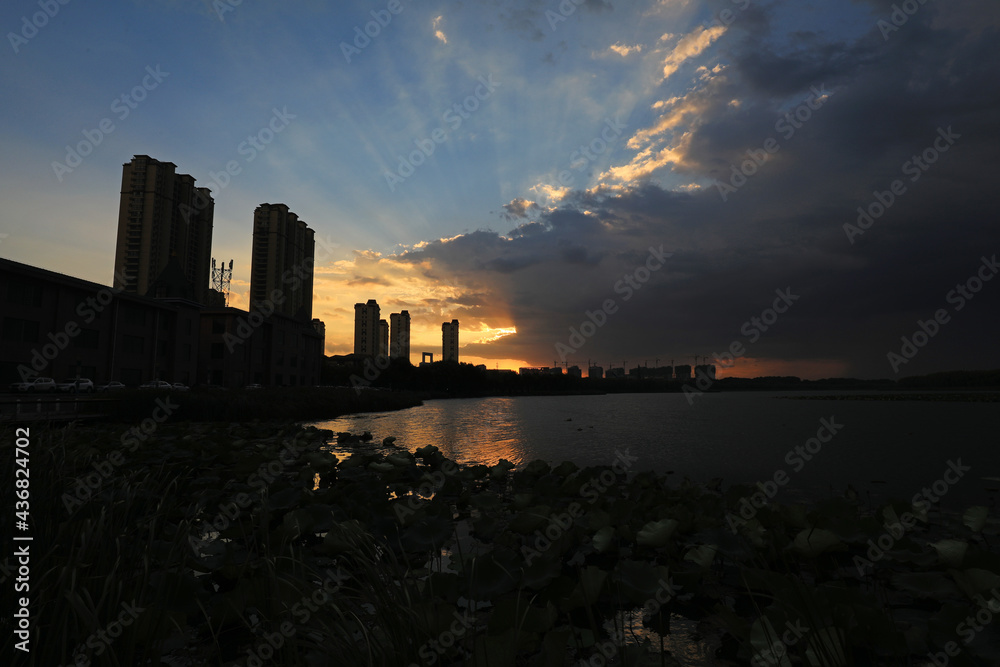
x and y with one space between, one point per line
282 262
383 338
399 335
449 341
162 215
366 328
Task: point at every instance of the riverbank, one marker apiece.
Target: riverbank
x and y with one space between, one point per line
248 543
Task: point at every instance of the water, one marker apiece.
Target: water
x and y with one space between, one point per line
888 449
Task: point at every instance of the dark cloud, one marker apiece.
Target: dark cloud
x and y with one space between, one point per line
519 208
891 100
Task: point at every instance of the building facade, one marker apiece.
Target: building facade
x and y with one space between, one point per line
449 341
383 338
62 327
399 335
281 265
162 215
366 328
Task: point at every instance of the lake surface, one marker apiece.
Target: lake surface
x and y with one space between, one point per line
882 448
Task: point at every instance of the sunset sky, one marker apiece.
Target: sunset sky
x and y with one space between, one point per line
516 165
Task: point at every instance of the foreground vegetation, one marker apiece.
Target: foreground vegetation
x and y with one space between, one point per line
251 544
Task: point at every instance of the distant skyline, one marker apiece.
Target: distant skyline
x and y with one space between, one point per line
797 184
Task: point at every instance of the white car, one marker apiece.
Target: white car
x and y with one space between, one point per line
76 385
179 386
114 385
38 384
156 384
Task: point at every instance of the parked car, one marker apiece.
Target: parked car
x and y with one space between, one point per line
114 385
36 385
156 384
76 385
180 386
253 386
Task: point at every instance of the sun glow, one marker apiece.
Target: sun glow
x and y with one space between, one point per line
490 335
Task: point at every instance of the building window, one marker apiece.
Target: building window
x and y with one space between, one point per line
133 344
133 315
24 294
15 329
217 350
88 339
219 325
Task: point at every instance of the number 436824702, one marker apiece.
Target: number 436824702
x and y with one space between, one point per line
21 473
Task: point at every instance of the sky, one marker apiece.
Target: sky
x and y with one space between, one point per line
790 188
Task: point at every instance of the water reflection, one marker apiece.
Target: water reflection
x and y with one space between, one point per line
467 431
886 448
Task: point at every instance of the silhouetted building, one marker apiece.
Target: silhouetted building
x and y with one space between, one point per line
58 326
708 370
616 372
383 338
595 372
449 341
682 373
366 319
239 348
399 335
162 214
320 328
574 371
281 266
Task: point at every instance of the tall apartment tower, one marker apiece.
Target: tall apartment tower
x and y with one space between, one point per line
366 328
282 259
383 338
162 216
399 335
449 340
